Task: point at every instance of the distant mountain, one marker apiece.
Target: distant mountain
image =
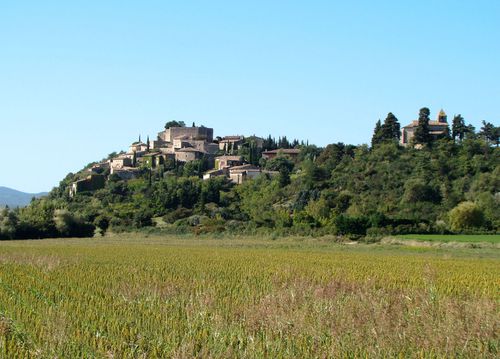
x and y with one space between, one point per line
12 198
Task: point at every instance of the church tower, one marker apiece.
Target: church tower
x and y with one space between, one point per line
442 117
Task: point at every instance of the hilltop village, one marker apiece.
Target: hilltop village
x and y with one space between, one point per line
179 144
424 176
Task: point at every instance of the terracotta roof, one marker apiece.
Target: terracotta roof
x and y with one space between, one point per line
232 138
431 123
189 149
244 168
214 172
284 150
229 158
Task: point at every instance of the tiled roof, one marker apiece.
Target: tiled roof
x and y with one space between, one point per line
284 150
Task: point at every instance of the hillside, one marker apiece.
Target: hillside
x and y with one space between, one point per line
186 180
14 198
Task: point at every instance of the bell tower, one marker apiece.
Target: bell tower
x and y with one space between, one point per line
442 117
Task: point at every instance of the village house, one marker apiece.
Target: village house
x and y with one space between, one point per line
292 153
126 173
216 173
99 168
153 159
436 128
228 161
124 160
90 183
188 154
240 174
231 143
138 146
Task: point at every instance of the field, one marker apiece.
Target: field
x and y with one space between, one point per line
183 297
473 238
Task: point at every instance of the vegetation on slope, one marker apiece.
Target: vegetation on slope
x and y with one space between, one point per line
445 185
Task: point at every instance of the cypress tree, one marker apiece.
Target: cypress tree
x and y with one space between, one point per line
391 129
377 134
458 128
422 135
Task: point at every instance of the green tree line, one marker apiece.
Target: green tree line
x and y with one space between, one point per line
449 184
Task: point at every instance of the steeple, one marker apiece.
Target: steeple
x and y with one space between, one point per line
442 117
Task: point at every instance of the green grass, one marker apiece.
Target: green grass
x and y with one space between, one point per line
462 238
134 296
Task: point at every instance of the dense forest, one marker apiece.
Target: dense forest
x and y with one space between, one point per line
449 184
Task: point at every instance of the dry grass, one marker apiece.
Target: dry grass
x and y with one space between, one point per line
185 298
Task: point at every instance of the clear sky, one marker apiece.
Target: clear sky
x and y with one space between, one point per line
80 79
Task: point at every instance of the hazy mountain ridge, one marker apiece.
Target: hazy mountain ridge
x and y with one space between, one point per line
14 198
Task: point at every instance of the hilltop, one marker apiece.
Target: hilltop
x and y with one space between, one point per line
421 178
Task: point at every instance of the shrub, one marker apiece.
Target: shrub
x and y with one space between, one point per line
466 215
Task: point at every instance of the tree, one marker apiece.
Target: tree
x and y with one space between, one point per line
147 144
490 133
391 129
174 124
377 134
422 135
70 225
458 128
8 224
466 215
194 125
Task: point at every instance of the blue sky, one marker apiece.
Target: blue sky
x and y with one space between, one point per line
80 79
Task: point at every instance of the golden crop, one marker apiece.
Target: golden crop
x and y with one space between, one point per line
153 297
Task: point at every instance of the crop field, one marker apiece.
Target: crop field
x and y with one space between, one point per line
181 297
463 238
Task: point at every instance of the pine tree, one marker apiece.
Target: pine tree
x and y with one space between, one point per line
489 132
377 134
470 132
422 135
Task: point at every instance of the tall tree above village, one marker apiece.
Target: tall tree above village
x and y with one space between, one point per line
174 124
458 128
391 129
422 135
377 134
470 132
490 133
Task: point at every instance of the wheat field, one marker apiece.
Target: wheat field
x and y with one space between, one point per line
134 296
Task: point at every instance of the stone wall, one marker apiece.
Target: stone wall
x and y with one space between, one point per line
197 133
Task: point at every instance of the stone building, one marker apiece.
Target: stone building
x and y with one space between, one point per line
126 173
292 153
437 128
121 161
138 147
240 174
231 143
215 173
188 154
90 183
192 133
228 161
